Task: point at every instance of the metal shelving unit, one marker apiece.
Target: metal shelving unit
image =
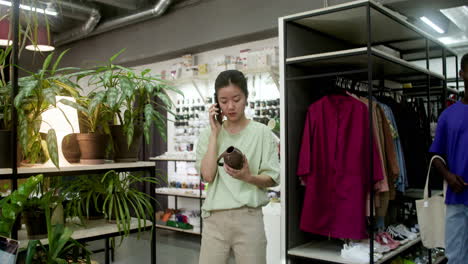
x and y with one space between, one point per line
176 196
362 41
97 230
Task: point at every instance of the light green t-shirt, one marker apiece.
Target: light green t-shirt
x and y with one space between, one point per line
259 146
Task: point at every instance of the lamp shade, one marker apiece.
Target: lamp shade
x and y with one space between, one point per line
41 40
4 33
64 120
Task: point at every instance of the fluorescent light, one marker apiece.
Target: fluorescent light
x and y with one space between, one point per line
432 25
29 8
458 15
40 48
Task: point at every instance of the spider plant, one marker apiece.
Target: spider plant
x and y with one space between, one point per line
120 197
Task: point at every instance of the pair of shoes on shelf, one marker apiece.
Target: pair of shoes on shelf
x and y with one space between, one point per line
358 253
386 240
401 233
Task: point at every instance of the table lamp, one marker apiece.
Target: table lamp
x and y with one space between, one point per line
54 118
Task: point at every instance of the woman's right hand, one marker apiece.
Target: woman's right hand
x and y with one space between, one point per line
215 125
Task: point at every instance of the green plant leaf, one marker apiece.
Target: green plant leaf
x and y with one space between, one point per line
112 96
73 104
127 86
57 61
116 55
49 95
52 147
46 64
144 72
32 245
8 211
96 100
148 121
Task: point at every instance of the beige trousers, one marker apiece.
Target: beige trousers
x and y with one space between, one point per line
240 230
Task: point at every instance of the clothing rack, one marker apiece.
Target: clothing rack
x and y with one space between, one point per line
344 39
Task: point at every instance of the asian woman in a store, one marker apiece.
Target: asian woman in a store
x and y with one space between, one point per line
232 211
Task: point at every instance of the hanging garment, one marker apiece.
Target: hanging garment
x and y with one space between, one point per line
334 160
401 179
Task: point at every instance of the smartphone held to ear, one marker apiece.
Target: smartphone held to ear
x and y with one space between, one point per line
219 117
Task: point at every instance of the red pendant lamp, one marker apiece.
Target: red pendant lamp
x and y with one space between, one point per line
41 39
4 33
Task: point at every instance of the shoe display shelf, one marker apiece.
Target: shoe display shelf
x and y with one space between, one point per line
180 193
330 250
364 42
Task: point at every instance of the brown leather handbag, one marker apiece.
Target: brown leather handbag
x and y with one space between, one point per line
233 157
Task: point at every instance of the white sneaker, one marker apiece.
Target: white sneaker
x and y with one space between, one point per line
358 253
397 236
405 231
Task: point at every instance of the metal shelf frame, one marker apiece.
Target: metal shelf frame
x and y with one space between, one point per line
16 173
200 197
313 46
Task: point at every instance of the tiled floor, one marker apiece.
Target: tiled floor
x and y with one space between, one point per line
171 248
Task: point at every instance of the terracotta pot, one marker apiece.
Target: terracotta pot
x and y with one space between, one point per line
122 152
233 157
71 149
36 224
5 149
92 148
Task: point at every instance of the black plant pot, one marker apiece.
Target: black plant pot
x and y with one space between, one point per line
36 224
122 152
5 149
94 213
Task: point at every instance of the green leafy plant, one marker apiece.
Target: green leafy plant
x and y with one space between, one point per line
36 95
131 96
5 92
60 246
84 194
13 204
120 197
95 115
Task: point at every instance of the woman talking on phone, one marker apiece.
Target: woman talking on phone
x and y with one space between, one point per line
232 211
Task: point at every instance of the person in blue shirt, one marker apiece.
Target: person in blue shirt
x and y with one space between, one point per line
451 141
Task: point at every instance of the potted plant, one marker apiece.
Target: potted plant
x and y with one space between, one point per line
140 112
96 117
120 198
85 197
131 98
61 248
37 94
5 114
13 204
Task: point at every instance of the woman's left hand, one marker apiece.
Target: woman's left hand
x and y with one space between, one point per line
243 174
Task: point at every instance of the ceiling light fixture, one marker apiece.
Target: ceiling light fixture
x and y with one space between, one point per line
5 33
30 8
42 41
458 15
432 25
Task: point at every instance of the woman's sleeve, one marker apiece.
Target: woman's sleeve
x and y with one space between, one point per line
269 163
201 148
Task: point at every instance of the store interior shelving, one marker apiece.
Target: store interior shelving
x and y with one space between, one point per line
92 230
24 172
186 193
330 251
194 231
362 41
